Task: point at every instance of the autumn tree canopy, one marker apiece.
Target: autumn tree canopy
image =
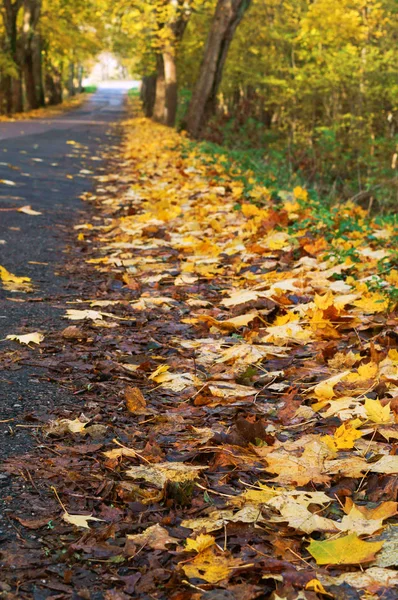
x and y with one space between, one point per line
320 77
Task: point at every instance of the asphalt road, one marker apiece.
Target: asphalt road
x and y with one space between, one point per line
50 163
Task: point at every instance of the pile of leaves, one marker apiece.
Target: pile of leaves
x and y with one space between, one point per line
237 362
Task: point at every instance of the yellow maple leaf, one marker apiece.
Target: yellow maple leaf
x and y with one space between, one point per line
343 438
346 550
325 389
209 566
289 317
372 303
364 372
377 412
12 282
385 510
201 543
250 210
325 301
277 240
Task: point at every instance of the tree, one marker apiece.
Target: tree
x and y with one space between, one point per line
32 63
173 17
13 80
227 17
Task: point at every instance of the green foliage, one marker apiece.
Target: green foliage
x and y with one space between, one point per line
316 83
90 89
271 171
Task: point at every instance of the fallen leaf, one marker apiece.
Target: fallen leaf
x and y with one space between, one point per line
229 324
135 400
356 522
241 297
173 381
155 537
13 283
119 452
63 426
343 438
387 464
33 523
377 412
79 520
325 389
209 567
28 210
28 338
200 543
346 550
79 315
160 473
310 466
299 517
316 586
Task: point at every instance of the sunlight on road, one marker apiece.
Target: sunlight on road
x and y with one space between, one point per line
119 84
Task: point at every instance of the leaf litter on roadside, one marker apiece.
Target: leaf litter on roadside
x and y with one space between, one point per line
245 382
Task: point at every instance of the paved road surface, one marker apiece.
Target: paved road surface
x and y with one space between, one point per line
50 174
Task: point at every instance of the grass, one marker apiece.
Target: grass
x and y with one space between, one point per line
133 93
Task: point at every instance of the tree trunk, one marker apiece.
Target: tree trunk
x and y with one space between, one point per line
166 83
147 94
170 78
160 95
227 17
30 87
53 84
32 64
38 69
81 73
12 85
71 80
